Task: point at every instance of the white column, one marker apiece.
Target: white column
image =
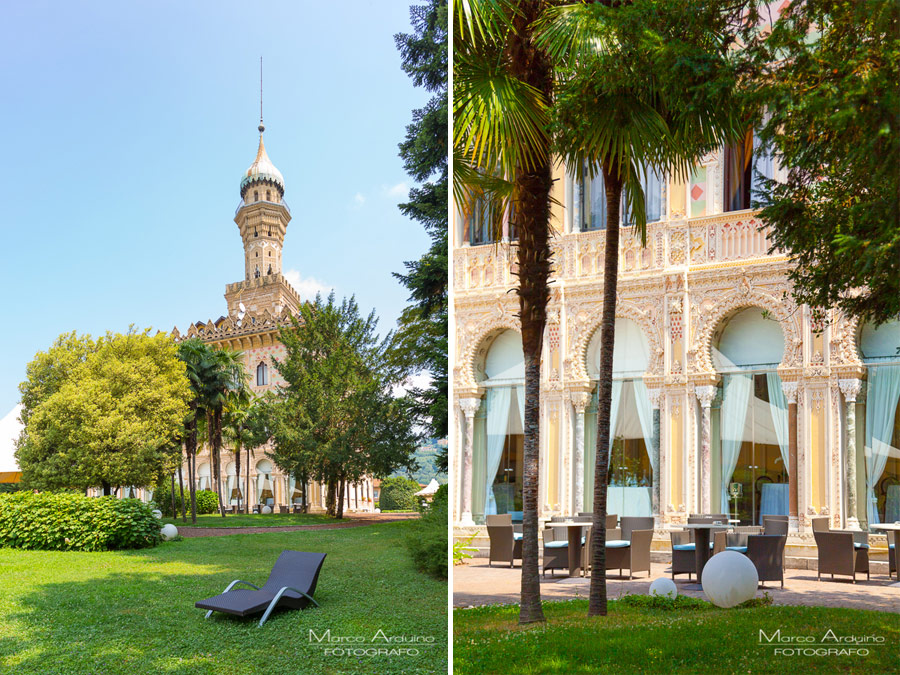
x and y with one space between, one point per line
580 401
656 503
790 392
469 406
850 389
705 395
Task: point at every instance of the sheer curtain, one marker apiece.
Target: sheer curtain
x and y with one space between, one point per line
736 399
497 426
590 441
881 406
763 167
645 414
778 408
614 414
520 399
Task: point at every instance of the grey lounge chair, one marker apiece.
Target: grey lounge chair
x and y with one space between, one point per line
556 551
291 583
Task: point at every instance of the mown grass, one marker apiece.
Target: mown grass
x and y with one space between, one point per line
133 611
692 637
255 520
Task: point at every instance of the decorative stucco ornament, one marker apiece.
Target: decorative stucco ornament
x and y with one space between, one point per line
729 578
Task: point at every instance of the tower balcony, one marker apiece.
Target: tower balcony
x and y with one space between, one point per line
241 205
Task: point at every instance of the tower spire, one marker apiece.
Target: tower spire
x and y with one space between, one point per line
262 127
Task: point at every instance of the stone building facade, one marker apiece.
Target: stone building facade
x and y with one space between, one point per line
727 396
258 306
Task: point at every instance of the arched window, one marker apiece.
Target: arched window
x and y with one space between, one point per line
255 195
268 196
262 375
256 273
270 270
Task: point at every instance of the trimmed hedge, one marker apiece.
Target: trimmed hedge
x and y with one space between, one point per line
398 494
71 522
427 541
207 501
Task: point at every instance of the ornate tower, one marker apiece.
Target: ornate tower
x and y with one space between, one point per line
262 217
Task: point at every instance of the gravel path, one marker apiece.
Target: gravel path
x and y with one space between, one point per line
352 520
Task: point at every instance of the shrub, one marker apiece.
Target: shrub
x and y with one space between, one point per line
463 550
427 540
397 494
207 501
70 522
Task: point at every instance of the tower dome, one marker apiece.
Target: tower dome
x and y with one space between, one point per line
262 170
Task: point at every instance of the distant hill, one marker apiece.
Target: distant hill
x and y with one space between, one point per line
425 456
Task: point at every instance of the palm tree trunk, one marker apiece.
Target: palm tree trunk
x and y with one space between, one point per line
340 500
181 493
247 498
237 470
532 202
613 183
217 454
191 449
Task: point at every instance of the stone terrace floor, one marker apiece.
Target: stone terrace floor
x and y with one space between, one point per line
475 583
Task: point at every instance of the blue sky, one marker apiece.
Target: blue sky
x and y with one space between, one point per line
126 127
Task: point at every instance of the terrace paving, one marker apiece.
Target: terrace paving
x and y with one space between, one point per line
475 583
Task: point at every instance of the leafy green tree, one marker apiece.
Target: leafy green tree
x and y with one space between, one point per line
422 331
398 494
824 83
198 360
112 416
335 420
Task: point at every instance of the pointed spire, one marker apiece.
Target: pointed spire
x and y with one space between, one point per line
262 127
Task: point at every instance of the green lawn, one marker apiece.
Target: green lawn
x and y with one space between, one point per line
133 611
696 637
256 520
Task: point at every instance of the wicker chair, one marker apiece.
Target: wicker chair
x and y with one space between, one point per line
556 552
775 526
633 554
630 523
505 545
820 524
838 555
612 534
683 560
766 552
892 553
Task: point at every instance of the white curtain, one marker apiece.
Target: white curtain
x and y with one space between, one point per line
763 167
778 408
497 427
645 414
260 483
734 412
881 407
520 399
614 414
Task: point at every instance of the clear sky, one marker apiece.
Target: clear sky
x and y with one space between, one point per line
126 128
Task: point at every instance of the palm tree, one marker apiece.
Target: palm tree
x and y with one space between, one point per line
606 74
624 108
198 359
226 375
503 83
234 428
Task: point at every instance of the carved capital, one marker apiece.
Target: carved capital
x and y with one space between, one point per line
790 391
850 389
581 400
469 406
705 394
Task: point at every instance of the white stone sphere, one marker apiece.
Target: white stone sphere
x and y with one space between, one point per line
377 510
729 578
157 513
266 509
169 531
664 587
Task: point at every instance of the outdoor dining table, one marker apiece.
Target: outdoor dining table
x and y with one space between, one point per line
574 532
701 544
890 527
